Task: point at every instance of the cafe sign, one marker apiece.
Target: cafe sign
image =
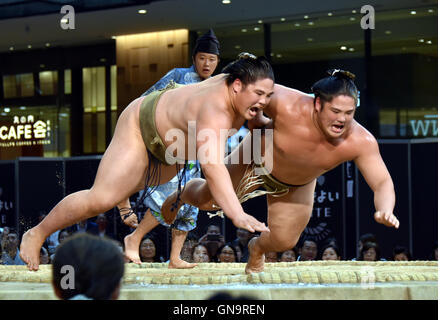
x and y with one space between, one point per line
25 131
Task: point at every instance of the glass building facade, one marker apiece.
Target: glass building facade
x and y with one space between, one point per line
396 68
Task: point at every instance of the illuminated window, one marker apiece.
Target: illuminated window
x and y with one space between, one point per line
48 82
94 109
17 86
10 86
67 81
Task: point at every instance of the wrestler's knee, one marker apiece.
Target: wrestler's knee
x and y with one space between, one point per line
99 203
284 243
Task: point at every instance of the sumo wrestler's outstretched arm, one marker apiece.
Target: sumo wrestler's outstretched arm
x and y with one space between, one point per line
211 156
372 167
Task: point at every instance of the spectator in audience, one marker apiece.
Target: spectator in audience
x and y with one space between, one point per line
62 236
434 254
226 253
102 227
401 253
243 237
308 250
148 250
212 240
330 252
85 225
44 256
187 249
238 252
52 242
3 231
200 254
271 256
98 269
289 255
370 252
10 244
330 241
367 237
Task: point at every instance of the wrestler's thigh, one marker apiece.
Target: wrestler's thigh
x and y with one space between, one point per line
289 215
121 171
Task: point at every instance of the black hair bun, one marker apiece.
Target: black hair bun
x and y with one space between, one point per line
341 74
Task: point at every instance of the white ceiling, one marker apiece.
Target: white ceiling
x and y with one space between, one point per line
93 27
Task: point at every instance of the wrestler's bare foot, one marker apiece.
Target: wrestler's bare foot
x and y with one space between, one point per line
181 264
30 247
256 261
167 209
132 249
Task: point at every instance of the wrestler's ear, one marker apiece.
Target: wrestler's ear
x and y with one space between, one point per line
237 85
318 104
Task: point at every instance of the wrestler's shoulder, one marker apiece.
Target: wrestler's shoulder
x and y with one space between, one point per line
361 136
281 90
290 102
289 96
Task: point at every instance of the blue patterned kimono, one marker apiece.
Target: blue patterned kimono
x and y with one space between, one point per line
178 75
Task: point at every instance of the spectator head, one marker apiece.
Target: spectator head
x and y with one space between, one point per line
331 241
200 254
227 253
289 255
435 251
401 253
271 256
83 223
96 267
238 252
244 236
193 237
44 256
309 249
12 240
330 252
101 221
370 252
367 237
148 249
63 235
206 54
213 229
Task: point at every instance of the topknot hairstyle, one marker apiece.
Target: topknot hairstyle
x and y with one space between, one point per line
248 68
342 74
338 82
